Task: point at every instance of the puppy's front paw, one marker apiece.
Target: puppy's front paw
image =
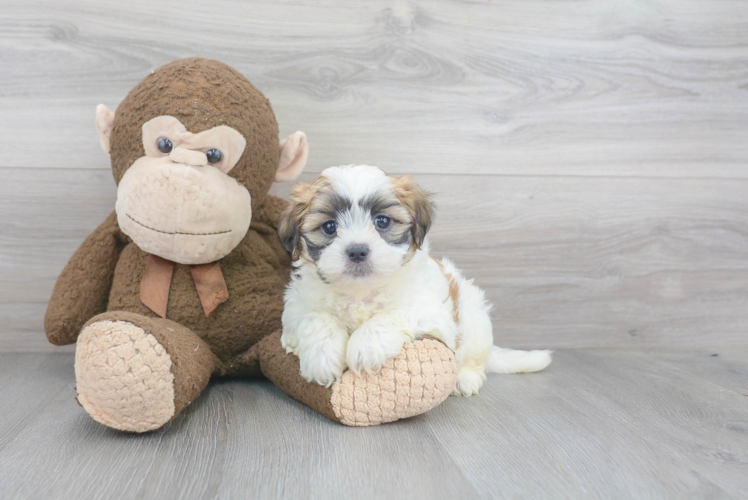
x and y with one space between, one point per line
368 352
322 364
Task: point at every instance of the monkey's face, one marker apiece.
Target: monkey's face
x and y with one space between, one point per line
211 153
177 201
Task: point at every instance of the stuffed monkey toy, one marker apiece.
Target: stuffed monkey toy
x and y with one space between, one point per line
184 280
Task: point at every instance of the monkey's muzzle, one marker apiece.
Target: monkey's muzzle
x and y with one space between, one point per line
183 213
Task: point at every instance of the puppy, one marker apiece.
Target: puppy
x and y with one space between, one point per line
364 283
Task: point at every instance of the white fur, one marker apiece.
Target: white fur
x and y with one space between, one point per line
333 320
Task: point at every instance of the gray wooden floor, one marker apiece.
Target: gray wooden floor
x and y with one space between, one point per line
597 424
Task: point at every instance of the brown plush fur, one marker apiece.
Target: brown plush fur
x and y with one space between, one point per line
82 290
105 273
276 365
256 273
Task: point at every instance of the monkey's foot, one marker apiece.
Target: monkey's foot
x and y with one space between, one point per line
135 373
415 381
123 377
418 379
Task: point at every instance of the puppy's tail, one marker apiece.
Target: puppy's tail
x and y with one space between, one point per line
511 361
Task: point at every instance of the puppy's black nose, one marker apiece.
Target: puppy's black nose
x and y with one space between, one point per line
358 253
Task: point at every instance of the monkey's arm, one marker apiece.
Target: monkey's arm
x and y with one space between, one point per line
82 290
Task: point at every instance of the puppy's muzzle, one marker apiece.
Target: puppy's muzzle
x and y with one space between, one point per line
358 253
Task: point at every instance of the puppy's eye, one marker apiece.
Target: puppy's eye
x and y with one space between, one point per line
214 155
330 227
164 145
382 222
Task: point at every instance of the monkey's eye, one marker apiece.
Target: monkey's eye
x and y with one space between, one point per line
214 156
164 145
382 222
330 227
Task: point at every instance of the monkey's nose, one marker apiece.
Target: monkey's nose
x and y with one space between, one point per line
188 157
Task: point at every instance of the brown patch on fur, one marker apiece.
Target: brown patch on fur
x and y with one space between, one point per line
325 204
293 217
454 291
454 294
387 204
417 201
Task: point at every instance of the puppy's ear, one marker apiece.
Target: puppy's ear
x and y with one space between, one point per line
418 202
291 219
289 231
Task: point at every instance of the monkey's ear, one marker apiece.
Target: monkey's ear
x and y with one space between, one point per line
104 122
294 151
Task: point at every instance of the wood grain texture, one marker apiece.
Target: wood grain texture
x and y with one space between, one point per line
623 425
588 157
597 424
567 261
517 87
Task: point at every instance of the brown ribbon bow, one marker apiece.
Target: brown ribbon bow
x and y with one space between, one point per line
156 282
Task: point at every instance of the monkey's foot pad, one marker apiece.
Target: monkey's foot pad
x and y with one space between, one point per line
421 377
123 377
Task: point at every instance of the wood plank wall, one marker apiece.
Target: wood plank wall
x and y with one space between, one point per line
589 158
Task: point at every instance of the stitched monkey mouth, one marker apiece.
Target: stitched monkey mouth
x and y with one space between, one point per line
175 232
